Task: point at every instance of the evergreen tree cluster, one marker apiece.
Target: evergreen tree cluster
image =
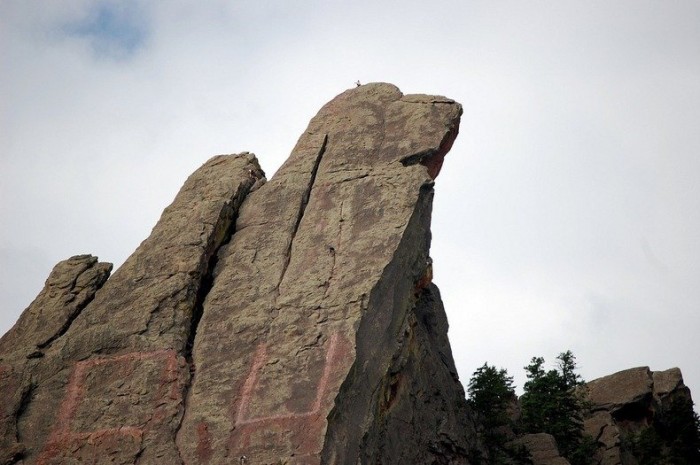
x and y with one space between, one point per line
674 439
492 396
554 402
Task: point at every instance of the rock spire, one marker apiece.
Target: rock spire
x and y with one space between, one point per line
292 321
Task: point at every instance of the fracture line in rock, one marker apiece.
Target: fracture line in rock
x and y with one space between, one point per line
302 208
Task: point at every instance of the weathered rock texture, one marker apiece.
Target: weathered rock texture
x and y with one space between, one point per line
289 322
98 374
642 416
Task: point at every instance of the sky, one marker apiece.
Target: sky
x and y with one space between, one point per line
566 216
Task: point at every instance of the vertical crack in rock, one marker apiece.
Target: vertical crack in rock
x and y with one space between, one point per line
23 404
227 226
25 399
334 251
302 207
224 230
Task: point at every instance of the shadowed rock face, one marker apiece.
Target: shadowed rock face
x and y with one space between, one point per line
284 322
642 416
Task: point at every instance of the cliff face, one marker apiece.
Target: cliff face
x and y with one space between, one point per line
292 321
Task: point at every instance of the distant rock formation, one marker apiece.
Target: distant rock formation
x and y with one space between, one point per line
636 416
642 416
292 321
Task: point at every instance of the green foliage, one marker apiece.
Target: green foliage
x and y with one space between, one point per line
553 403
680 430
583 453
646 446
673 439
491 395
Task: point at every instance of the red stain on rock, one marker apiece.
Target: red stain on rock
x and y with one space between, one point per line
65 440
204 450
434 161
304 429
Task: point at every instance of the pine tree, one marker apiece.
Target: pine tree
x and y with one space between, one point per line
491 396
553 403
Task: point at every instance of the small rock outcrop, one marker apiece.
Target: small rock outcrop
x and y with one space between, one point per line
542 448
292 321
642 416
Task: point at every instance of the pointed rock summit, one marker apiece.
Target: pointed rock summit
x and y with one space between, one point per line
287 322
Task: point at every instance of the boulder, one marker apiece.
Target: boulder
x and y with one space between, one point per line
624 389
543 449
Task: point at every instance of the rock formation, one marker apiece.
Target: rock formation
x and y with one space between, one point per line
642 416
288 322
292 321
107 375
633 417
542 448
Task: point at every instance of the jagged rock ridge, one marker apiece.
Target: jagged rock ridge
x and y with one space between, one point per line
284 322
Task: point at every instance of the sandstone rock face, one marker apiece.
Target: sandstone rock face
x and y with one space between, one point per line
70 287
263 323
637 413
316 296
106 382
621 390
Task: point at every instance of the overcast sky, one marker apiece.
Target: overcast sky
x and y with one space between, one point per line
567 215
